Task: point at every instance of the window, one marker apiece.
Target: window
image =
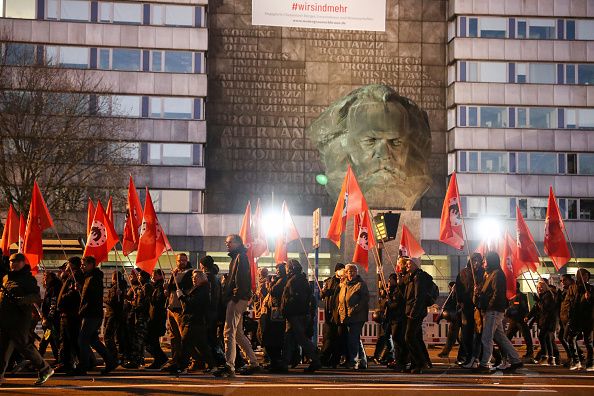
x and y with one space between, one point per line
19 54
572 208
69 10
487 72
120 12
498 206
156 62
493 117
173 108
584 29
586 74
475 206
72 57
542 73
537 208
172 15
22 9
172 201
542 29
521 117
493 27
125 59
170 154
586 209
585 118
522 69
586 164
123 106
494 162
542 117
178 62
522 162
473 161
129 152
572 164
543 163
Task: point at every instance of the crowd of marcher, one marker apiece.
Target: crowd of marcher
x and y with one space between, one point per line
206 315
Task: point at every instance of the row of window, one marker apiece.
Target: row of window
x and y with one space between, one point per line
531 208
126 59
526 162
106 12
525 73
177 201
151 107
174 154
522 28
525 117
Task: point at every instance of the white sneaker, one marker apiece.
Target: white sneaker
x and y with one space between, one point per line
575 366
590 367
504 365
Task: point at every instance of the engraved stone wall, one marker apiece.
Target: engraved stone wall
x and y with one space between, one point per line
266 85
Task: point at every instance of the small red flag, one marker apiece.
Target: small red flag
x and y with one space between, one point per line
109 210
409 245
10 234
351 202
260 243
153 241
248 241
450 228
102 237
38 220
508 267
288 233
365 240
90 214
22 232
133 220
526 247
555 244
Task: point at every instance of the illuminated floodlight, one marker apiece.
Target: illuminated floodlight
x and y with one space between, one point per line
489 229
273 223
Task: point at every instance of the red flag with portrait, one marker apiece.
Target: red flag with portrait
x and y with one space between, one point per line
555 244
351 202
38 220
409 245
10 234
526 247
450 228
102 237
287 234
246 236
364 239
133 220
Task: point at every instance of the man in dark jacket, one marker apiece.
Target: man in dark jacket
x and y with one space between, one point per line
156 321
397 316
417 300
194 310
91 314
50 319
577 306
516 313
492 301
331 347
140 304
68 307
207 265
295 306
546 316
19 292
465 282
236 295
114 314
449 312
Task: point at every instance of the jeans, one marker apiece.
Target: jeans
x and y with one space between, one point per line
493 331
89 337
353 341
233 333
546 339
413 337
571 334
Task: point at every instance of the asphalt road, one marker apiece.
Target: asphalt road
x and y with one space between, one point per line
443 379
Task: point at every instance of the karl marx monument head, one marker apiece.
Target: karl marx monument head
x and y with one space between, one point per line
386 139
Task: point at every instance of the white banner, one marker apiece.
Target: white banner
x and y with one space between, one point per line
321 14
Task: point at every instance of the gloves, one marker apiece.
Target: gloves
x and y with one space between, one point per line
179 293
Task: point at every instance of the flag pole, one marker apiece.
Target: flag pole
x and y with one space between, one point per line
309 265
171 265
61 243
465 236
376 256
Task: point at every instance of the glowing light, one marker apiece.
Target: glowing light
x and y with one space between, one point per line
489 229
322 179
273 223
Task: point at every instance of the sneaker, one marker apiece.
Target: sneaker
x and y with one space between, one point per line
473 364
514 366
131 365
312 368
155 365
44 377
224 372
249 370
482 370
590 367
504 365
575 366
545 362
20 366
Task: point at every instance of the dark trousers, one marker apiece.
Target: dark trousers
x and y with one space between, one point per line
17 339
452 337
52 340
384 347
571 335
400 347
153 342
546 339
516 325
414 340
194 337
295 335
353 341
68 350
89 338
331 346
111 336
467 337
138 339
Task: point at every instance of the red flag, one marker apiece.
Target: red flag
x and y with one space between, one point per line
153 241
248 241
527 254
365 240
555 244
109 210
508 254
102 237
133 220
90 214
22 232
450 228
10 234
39 219
409 245
288 233
260 243
350 202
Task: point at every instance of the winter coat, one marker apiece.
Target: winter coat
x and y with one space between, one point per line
353 301
297 296
397 301
157 310
214 285
49 304
69 297
91 300
114 300
239 283
195 305
576 310
518 307
184 280
492 295
417 294
545 311
19 293
330 295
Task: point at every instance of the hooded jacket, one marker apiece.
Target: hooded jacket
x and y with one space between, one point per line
297 296
417 294
91 300
492 295
19 293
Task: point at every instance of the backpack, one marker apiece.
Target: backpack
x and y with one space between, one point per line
432 291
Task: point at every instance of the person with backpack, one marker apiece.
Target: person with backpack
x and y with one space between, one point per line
419 294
